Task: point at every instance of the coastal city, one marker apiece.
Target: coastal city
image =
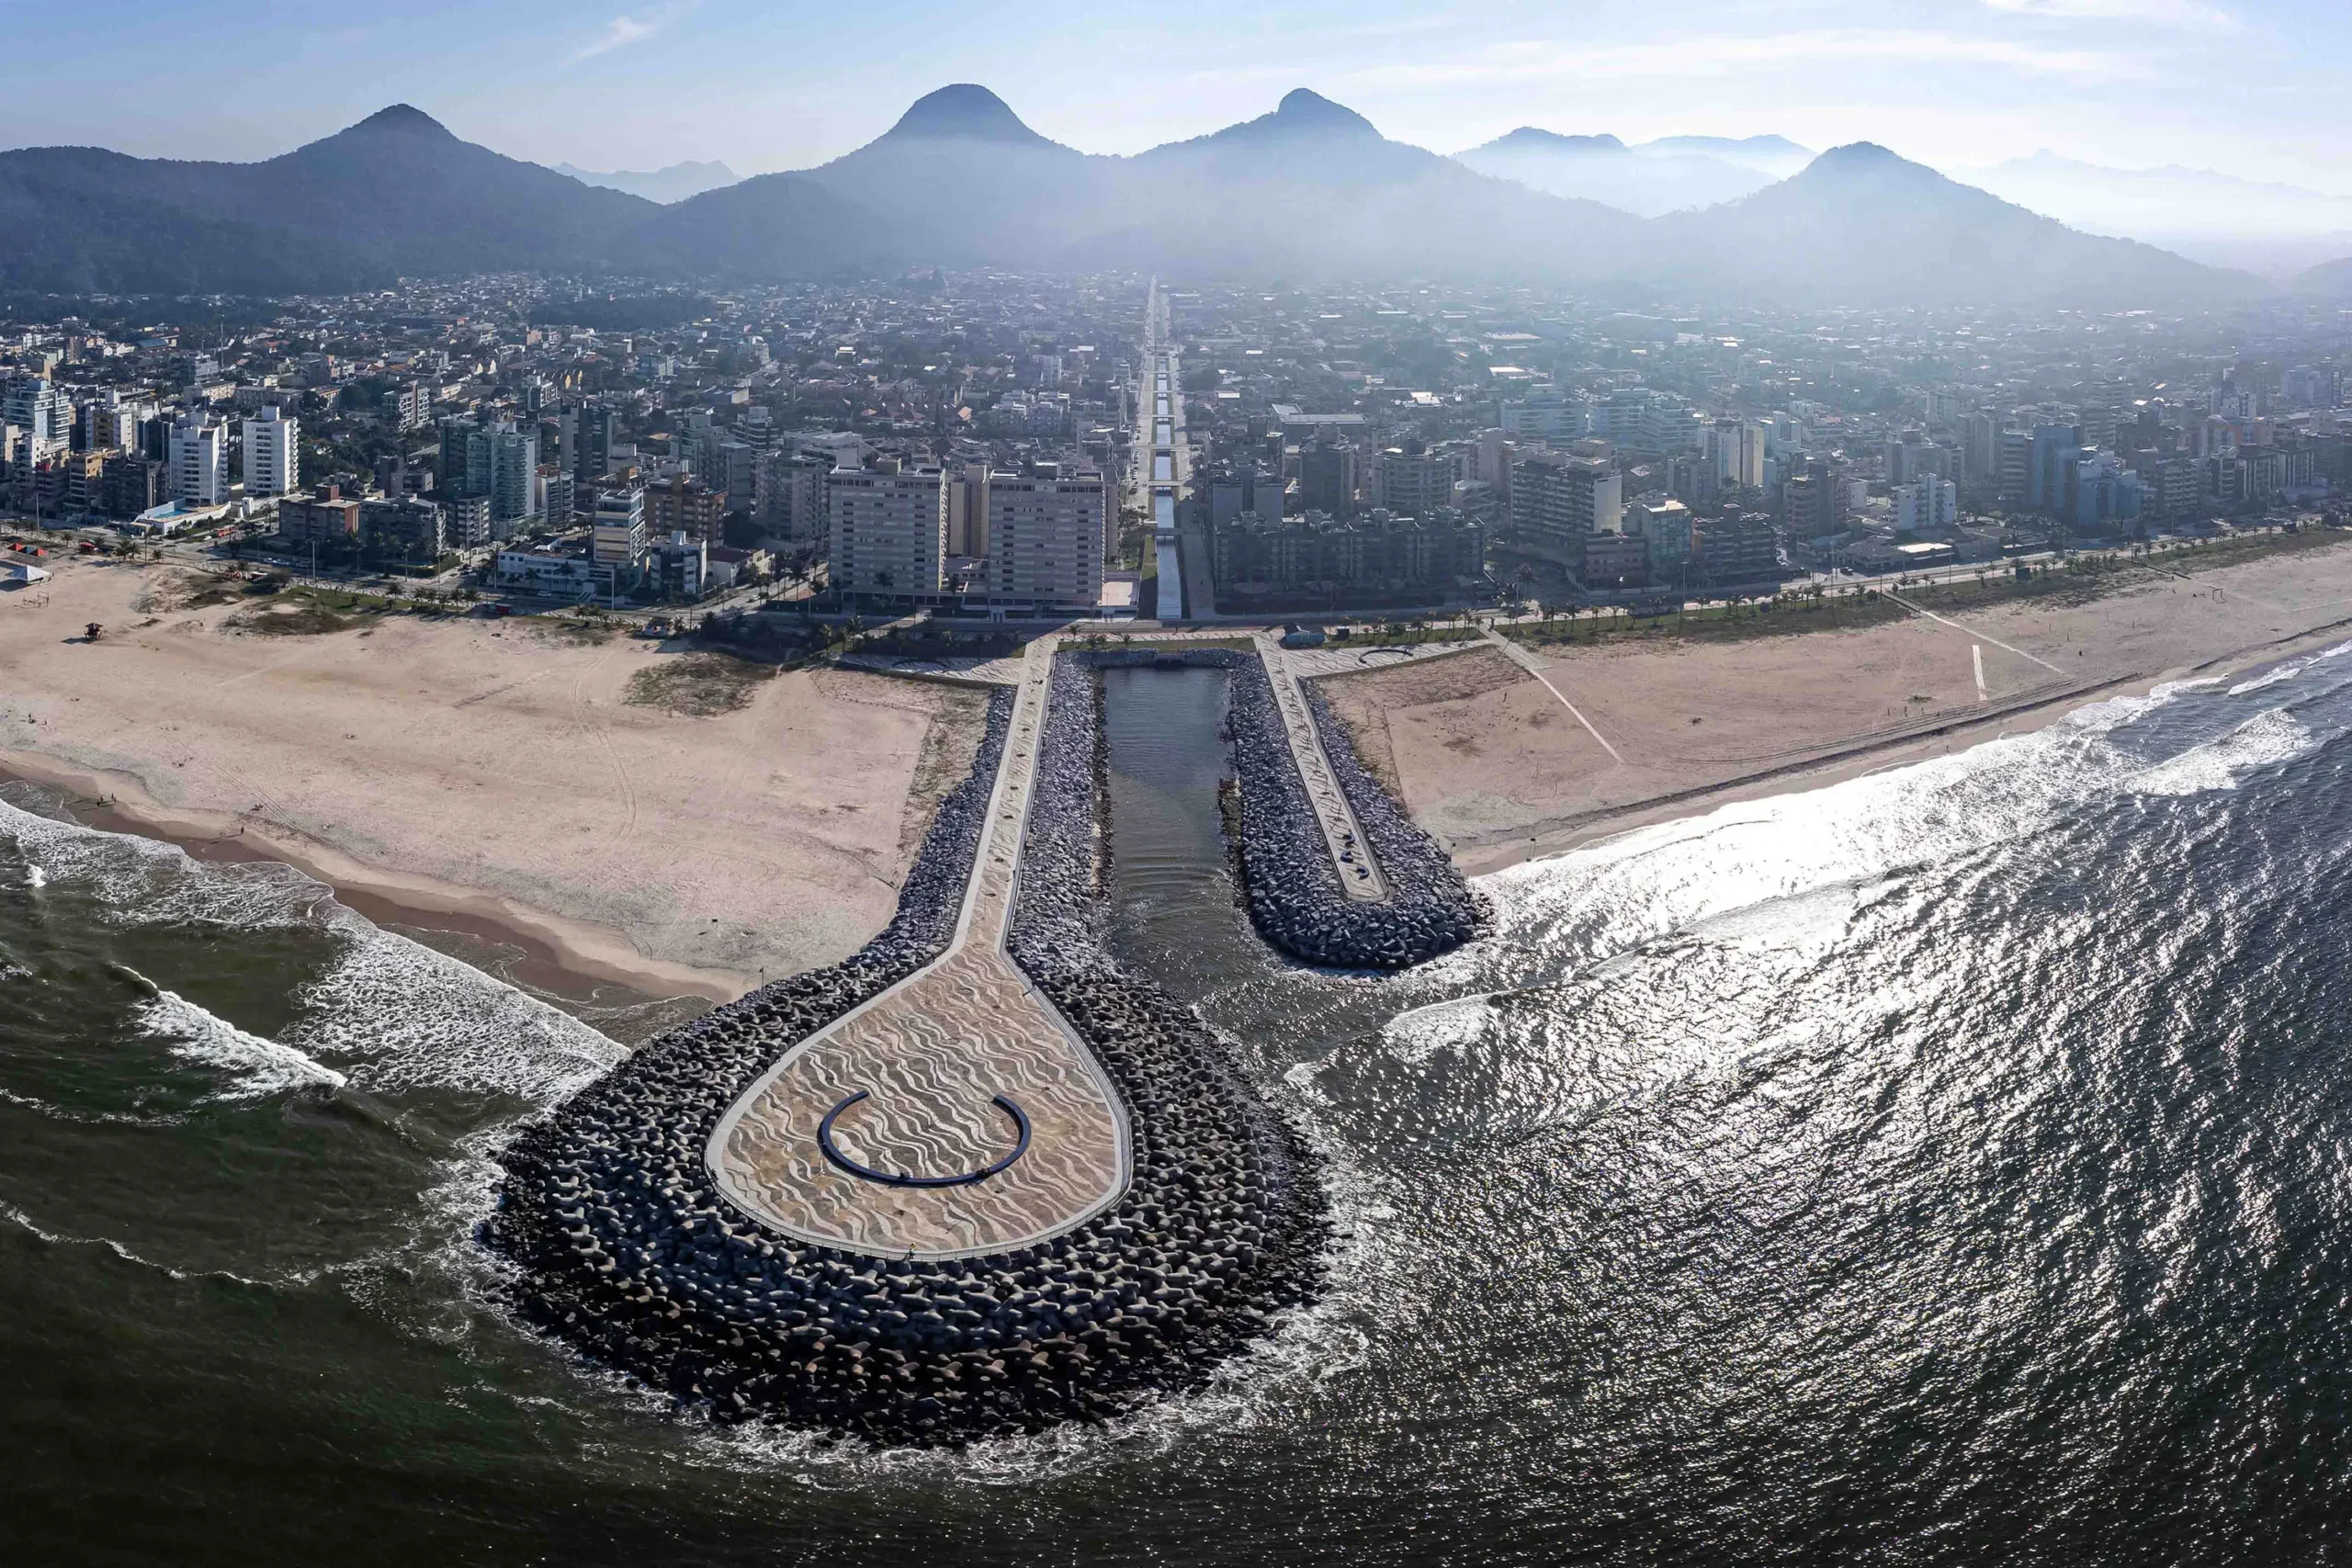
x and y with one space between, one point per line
967 444
1237 787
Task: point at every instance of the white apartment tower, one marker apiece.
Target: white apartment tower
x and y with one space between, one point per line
199 461
273 455
1044 537
890 529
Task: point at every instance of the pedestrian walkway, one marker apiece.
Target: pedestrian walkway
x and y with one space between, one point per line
1351 856
956 1114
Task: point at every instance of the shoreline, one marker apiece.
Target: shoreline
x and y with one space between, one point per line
1546 841
559 955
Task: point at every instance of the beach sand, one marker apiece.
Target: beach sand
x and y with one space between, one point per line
1497 767
492 770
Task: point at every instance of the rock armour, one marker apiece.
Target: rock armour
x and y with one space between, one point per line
1295 894
623 1249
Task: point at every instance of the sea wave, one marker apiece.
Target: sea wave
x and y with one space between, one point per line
258 1066
2265 740
394 1015
404 1018
1771 856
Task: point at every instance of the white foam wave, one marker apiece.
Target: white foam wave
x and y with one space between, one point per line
396 1014
26 1223
404 1018
2284 672
36 879
2265 740
1770 856
258 1066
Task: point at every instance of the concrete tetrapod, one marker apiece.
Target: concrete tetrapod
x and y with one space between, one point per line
925 1068
623 1248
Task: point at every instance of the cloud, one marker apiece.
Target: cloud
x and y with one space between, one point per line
625 30
2173 13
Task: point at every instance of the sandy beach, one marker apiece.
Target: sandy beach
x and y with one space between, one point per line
1498 768
491 770
518 775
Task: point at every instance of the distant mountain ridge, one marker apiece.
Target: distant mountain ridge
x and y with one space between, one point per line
1646 180
675 181
1309 190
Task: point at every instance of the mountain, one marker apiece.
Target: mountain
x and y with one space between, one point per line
674 182
768 227
959 181
1313 189
2329 281
1861 226
1310 190
2273 228
395 195
1774 155
1603 169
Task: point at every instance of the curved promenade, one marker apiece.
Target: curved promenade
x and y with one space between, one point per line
636 1234
912 1085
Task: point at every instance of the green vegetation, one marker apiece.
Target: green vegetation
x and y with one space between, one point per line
290 617
2075 581
570 628
699 685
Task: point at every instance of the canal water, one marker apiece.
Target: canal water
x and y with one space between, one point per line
1950 1166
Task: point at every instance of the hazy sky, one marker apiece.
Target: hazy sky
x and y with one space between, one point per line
2238 84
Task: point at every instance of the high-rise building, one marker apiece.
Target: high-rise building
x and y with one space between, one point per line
132 484
463 467
2015 474
617 545
555 495
595 431
512 488
1665 531
1045 536
409 406
687 506
273 455
199 461
1927 504
890 529
1545 413
1557 499
39 410
967 510
1981 450
2052 446
789 495
1411 481
1326 477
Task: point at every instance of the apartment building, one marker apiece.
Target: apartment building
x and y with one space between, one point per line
1557 499
273 455
1045 536
888 528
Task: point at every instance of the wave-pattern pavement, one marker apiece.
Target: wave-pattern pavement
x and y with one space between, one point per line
625 1249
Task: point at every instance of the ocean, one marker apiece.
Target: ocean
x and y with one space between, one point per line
1944 1167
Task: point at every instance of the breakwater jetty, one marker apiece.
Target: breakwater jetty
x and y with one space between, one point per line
1336 871
710 1221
